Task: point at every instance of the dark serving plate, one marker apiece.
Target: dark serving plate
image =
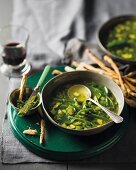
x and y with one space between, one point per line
104 31
59 145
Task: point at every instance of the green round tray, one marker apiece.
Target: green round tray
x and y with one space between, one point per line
60 145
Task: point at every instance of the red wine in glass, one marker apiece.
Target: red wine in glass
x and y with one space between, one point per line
13 53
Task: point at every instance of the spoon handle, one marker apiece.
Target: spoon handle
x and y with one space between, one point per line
44 74
116 118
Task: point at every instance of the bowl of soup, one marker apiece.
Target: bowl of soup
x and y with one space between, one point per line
81 117
117 38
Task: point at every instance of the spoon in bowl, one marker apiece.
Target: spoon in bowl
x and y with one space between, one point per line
82 93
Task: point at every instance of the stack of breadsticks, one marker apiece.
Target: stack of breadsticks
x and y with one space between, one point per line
127 82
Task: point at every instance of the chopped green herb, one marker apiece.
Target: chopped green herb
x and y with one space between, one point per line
25 107
79 115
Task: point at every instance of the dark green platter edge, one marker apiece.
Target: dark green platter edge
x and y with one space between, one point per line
89 151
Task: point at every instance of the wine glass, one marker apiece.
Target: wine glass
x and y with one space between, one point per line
13 50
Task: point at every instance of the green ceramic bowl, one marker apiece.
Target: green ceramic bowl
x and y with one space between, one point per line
71 77
104 31
14 95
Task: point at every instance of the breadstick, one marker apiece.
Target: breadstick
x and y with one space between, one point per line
114 66
88 67
132 88
42 134
69 69
131 74
99 62
98 70
30 132
132 94
80 67
127 94
91 68
56 72
75 63
117 81
22 87
132 80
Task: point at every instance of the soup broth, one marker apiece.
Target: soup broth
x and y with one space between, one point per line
121 40
73 114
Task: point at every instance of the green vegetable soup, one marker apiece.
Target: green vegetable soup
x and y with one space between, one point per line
74 114
122 40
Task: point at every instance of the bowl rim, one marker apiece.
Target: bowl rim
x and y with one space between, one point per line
124 17
17 89
83 130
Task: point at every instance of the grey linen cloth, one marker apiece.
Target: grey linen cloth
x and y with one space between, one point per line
52 23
